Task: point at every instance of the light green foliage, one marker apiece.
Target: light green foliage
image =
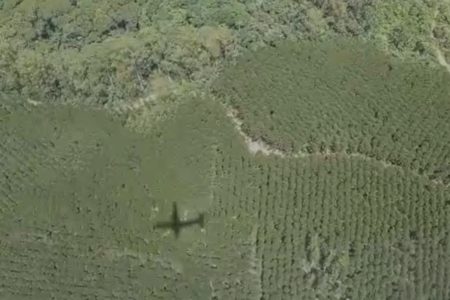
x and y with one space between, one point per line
345 16
409 28
96 54
232 14
318 23
441 31
183 40
36 74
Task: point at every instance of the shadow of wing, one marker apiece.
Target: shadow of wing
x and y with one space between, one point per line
200 221
164 225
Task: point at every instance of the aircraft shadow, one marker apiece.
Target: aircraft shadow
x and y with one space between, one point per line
176 224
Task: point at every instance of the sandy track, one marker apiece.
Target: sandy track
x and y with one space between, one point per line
259 146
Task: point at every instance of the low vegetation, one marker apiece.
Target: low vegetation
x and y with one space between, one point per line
342 96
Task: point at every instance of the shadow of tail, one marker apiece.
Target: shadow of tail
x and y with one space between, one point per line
201 220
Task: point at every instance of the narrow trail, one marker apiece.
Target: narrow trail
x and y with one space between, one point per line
438 52
259 146
441 59
139 103
255 146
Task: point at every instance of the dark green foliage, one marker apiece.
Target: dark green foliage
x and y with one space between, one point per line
333 226
342 96
81 194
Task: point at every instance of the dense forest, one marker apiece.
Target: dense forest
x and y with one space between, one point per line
114 52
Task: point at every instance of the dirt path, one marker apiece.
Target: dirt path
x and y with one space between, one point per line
255 146
441 59
439 55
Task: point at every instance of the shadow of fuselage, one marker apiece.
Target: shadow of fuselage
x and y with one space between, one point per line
175 224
